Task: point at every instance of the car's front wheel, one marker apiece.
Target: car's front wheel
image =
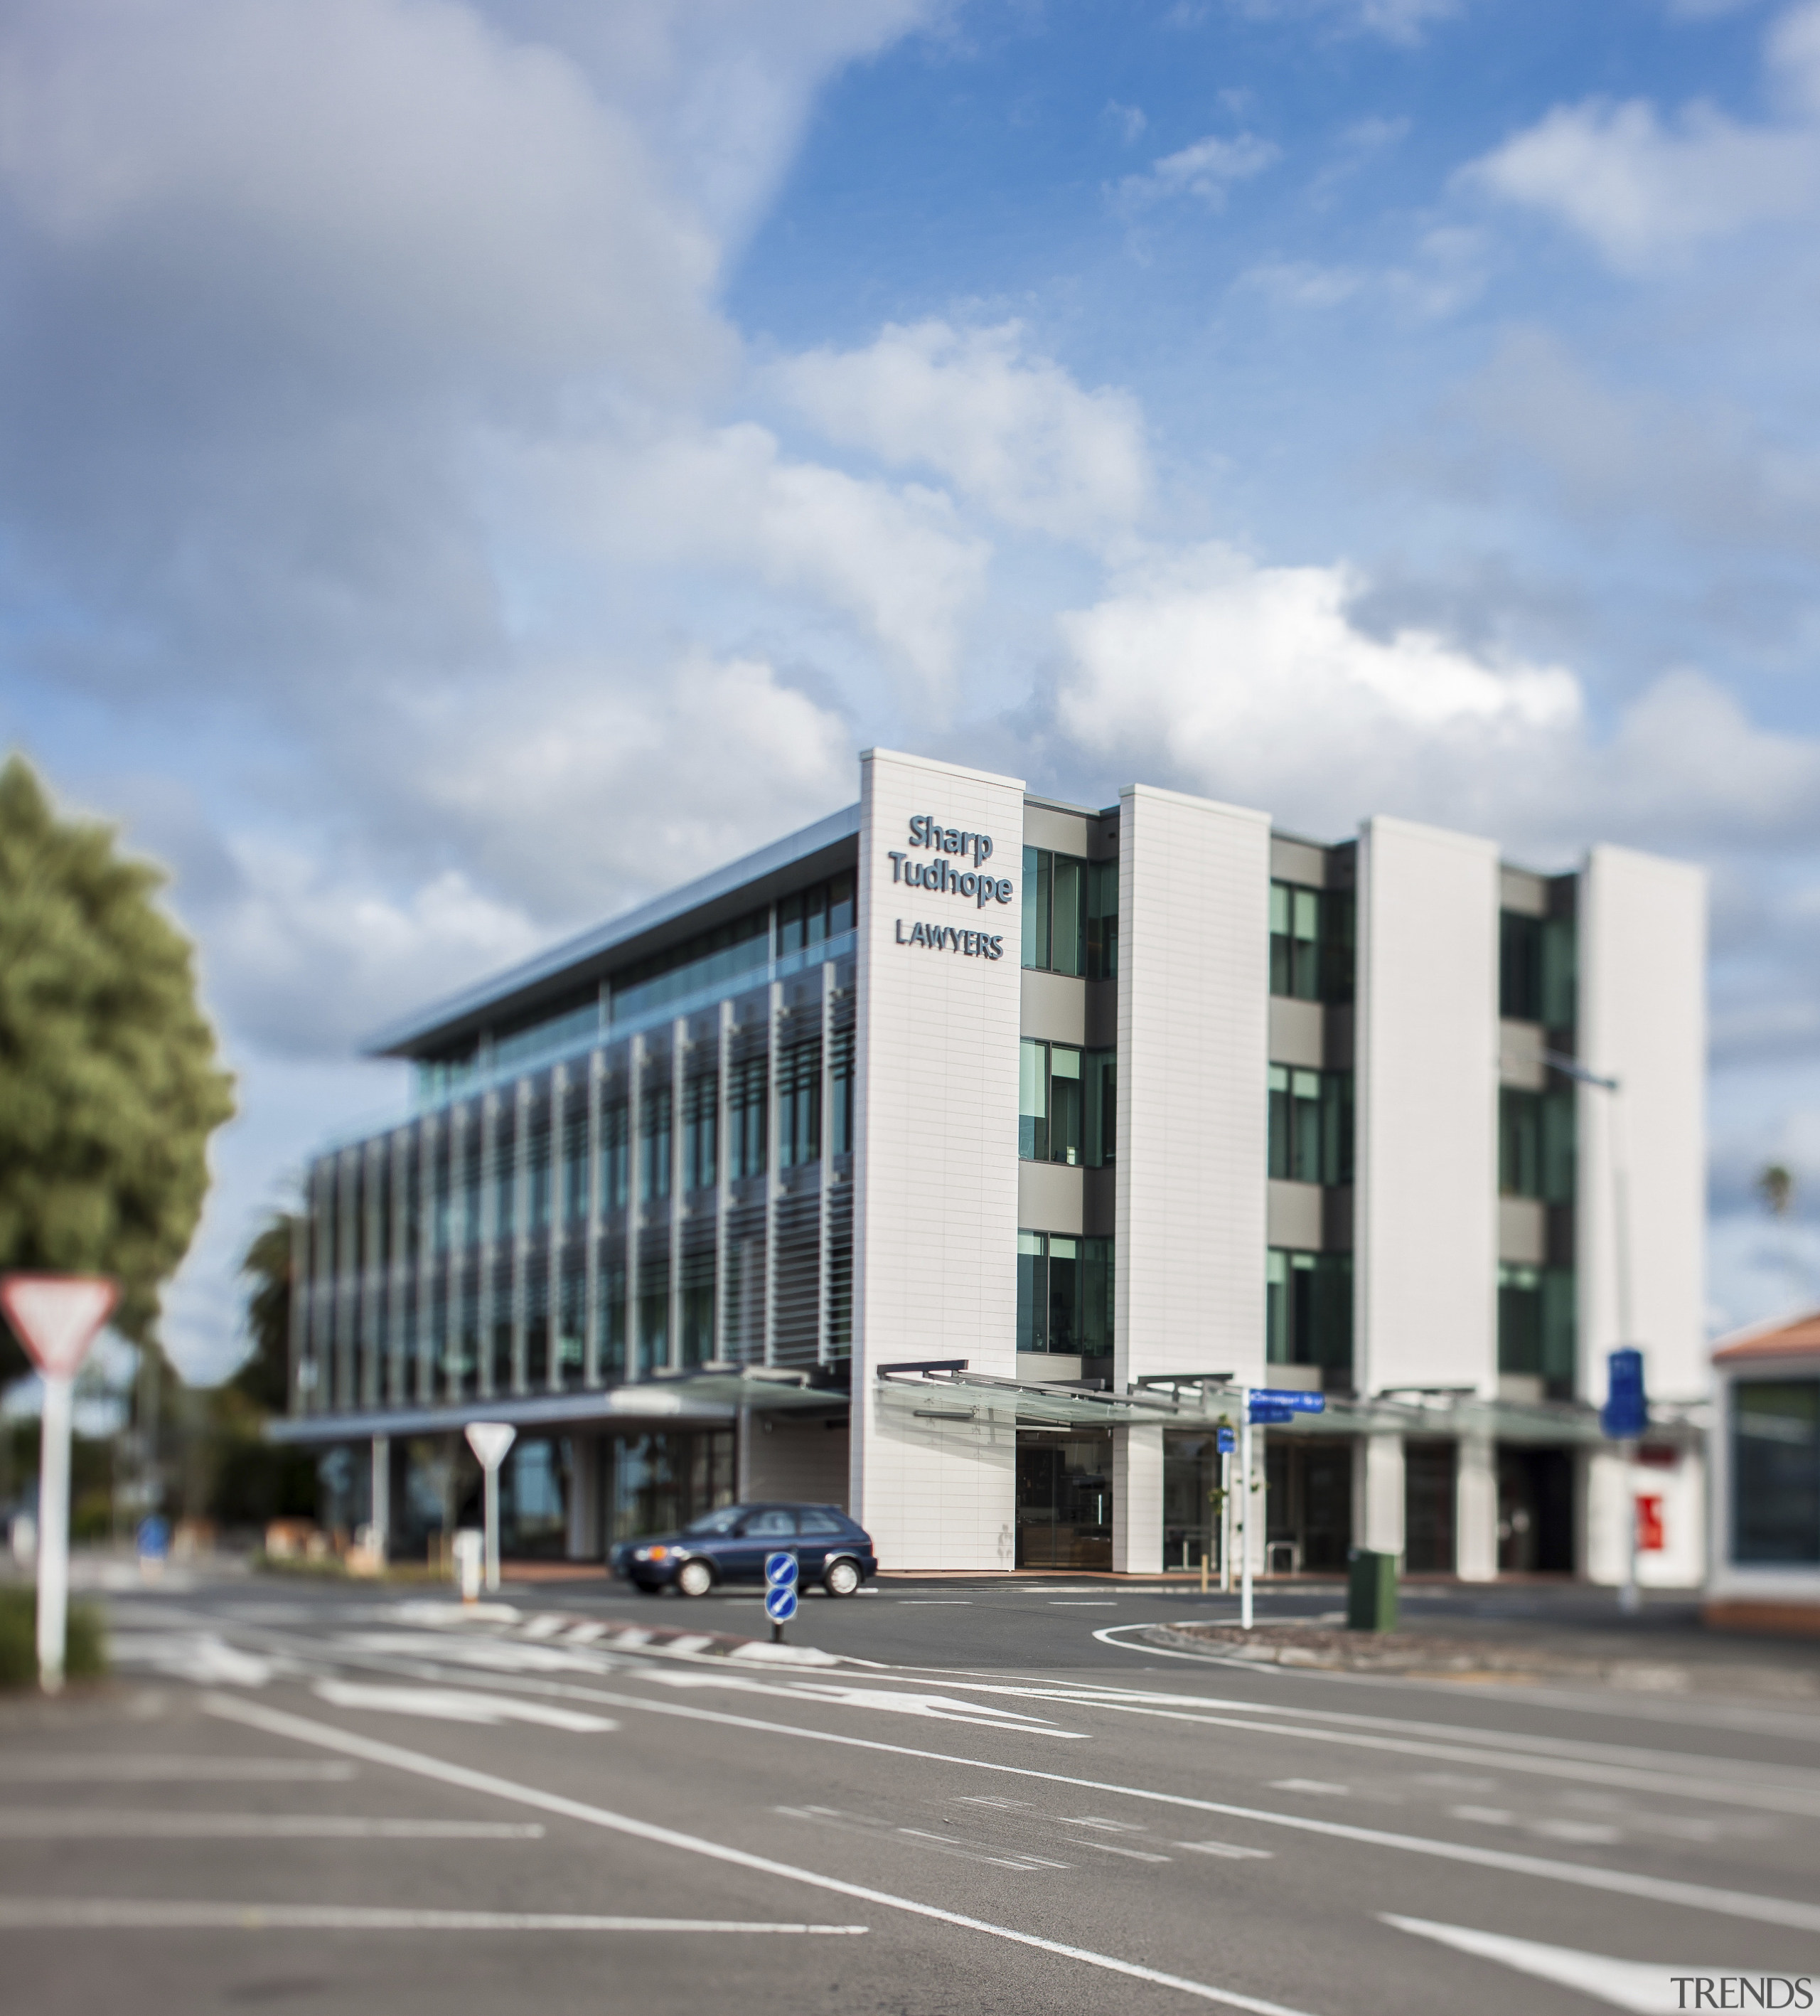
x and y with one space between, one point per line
695 1578
842 1578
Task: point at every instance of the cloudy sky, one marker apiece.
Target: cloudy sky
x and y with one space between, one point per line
464 467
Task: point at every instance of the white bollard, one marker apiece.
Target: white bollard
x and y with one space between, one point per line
468 1551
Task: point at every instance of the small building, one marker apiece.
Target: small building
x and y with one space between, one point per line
1765 1461
956 1157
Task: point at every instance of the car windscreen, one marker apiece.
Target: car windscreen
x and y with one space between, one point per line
722 1521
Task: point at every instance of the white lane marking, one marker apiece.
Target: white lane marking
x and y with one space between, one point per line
1131 1854
98 1769
937 1602
1647 1989
1083 1602
693 1642
1485 1815
443 1610
26 1914
62 1823
274 1722
458 1704
498 1655
1321 1785
1732 1903
967 1849
1230 1849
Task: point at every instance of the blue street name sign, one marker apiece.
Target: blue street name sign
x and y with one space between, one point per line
780 1587
1226 1440
1270 1418
1626 1412
1292 1397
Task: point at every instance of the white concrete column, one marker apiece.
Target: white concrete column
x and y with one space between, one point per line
1476 1509
1137 1500
1381 1529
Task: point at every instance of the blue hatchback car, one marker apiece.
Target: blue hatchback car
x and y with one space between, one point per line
730 1546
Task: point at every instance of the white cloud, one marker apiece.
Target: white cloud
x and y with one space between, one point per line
1399 21
1207 170
1011 429
1648 190
1261 685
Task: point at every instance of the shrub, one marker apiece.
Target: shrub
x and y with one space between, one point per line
84 1652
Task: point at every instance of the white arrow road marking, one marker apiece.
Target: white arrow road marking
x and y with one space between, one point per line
498 1655
1230 1849
457 1705
938 1707
62 1823
274 1722
1645 1987
202 1656
29 1914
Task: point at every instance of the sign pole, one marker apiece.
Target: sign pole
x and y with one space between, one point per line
57 1317
53 1531
1630 1596
1245 1508
489 1441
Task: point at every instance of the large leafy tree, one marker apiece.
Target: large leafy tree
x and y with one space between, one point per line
109 1086
265 1376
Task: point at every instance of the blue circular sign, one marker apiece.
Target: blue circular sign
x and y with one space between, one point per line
780 1570
780 1602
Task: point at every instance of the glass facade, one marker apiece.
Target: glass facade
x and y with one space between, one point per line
1775 1472
1536 977
1068 1107
1536 1325
1308 1312
1311 1125
1064 1500
1191 1506
1070 914
1311 948
1064 1293
660 1200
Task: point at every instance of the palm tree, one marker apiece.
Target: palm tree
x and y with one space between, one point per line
1776 1186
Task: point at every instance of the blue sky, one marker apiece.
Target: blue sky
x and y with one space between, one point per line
463 467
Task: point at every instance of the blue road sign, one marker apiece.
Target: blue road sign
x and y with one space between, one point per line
1626 1412
780 1587
1226 1440
1270 1417
1297 1401
154 1538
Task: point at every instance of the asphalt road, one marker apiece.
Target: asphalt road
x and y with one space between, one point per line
981 1797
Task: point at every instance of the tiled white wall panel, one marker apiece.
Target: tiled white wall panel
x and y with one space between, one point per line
1642 1020
935 1235
1193 1058
1425 1228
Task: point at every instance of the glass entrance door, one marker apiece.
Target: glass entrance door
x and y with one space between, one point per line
1064 1500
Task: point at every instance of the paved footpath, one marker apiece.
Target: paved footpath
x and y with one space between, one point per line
945 1796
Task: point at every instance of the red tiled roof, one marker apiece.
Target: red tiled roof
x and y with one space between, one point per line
1798 1339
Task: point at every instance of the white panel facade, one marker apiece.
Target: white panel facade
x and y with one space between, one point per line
935 1234
1426 1224
1193 1062
1642 951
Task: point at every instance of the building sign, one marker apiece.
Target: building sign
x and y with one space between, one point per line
938 938
941 875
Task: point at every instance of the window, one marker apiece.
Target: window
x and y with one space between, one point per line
1070 914
654 1121
1308 1309
1536 981
812 917
840 1093
610 1321
773 1521
697 1284
1064 1293
1311 1125
1310 942
505 1190
539 1173
1536 1326
1536 1143
745 1097
798 1104
1067 1104
813 1519
1775 1471
614 1158
575 1168
701 1106
710 960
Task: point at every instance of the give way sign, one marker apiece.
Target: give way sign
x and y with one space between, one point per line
57 1317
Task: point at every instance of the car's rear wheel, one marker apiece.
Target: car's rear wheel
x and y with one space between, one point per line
842 1578
695 1578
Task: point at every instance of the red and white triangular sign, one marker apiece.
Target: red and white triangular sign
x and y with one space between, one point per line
57 1317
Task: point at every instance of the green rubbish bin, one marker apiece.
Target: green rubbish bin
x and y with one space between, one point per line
1371 1593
